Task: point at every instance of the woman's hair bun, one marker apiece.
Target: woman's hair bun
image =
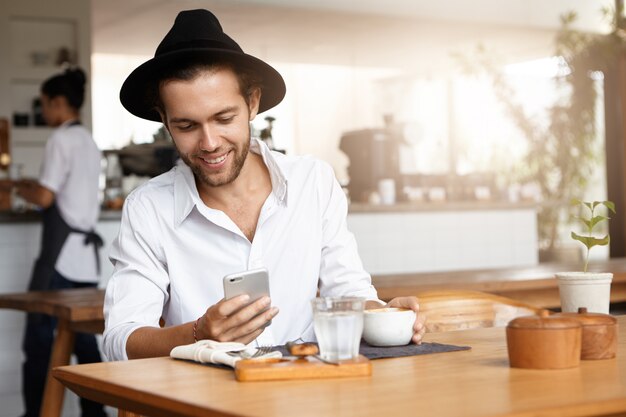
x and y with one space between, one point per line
77 76
70 84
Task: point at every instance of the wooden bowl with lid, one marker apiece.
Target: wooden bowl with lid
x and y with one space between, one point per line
599 340
544 342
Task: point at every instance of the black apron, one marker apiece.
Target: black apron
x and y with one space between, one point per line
55 231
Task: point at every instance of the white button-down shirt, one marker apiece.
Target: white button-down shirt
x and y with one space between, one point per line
173 251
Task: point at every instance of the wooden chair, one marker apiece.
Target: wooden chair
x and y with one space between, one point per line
448 310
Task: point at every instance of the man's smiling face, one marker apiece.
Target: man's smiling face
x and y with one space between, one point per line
208 119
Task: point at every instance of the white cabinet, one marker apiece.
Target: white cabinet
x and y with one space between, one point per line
397 242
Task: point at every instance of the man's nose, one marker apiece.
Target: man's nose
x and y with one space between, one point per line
210 139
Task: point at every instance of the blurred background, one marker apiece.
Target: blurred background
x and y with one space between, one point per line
490 107
459 130
477 100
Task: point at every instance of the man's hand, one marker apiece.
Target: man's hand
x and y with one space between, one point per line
227 321
232 321
411 303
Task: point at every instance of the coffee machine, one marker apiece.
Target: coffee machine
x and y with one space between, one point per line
374 155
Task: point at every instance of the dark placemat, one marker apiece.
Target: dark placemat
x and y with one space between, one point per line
374 352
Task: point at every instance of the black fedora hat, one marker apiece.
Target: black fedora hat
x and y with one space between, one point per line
196 34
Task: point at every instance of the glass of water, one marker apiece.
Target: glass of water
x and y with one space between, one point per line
338 324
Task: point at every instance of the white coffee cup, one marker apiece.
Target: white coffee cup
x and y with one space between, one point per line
388 326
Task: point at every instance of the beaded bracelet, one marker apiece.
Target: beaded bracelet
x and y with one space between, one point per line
195 329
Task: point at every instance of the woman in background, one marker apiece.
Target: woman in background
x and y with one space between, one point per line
67 191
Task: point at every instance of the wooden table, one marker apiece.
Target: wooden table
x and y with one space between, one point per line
77 310
533 285
473 383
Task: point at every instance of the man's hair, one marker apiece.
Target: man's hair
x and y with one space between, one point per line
247 79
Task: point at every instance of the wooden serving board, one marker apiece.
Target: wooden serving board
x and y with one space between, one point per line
304 368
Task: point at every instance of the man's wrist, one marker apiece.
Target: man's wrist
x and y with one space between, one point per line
195 329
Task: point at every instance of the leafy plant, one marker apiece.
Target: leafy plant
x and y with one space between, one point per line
590 223
564 143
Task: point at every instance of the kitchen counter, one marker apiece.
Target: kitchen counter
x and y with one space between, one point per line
14 217
356 208
405 237
440 206
31 216
444 236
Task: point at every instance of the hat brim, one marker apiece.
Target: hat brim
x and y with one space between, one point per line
134 92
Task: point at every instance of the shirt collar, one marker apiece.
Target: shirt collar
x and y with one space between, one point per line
185 192
68 123
186 195
277 175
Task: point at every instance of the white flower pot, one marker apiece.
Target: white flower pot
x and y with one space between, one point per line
585 289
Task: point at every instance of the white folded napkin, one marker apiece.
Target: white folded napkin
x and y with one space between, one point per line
223 353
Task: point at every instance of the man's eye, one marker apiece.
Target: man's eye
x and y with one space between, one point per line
184 127
226 119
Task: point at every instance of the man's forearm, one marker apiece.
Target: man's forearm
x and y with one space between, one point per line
149 342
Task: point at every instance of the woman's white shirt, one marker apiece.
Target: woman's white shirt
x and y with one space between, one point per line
71 169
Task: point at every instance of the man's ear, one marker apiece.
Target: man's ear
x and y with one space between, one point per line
253 103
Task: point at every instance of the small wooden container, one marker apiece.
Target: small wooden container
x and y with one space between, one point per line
544 342
599 334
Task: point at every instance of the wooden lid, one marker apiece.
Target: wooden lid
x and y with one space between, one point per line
590 319
543 321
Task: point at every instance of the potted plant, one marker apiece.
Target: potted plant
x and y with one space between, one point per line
587 289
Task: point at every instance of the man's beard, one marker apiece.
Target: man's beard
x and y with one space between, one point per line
218 179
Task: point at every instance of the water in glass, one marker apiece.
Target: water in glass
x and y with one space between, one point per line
338 324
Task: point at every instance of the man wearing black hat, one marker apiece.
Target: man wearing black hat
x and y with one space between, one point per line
232 205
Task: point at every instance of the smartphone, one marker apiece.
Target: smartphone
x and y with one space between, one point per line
255 283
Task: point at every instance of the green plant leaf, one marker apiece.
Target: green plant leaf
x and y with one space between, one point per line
590 241
591 223
610 205
597 219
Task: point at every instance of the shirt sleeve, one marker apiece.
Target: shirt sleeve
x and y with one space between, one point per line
55 167
341 269
138 289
